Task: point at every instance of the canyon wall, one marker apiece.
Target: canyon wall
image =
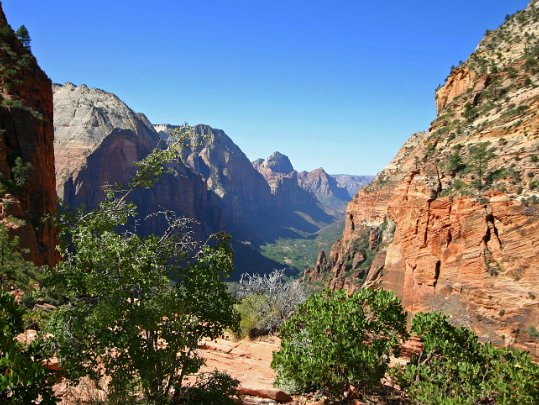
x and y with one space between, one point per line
452 223
27 182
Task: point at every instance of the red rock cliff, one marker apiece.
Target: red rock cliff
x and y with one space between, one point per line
452 223
27 192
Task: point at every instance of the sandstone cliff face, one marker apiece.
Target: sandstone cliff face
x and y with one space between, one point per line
228 173
83 118
292 196
97 140
452 222
332 192
27 181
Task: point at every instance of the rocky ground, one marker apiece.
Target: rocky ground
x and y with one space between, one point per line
249 362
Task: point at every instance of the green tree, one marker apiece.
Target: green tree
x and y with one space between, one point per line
334 342
137 307
24 36
454 160
469 112
479 156
455 368
15 271
23 378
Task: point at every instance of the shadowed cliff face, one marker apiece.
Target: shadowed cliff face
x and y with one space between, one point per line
452 222
27 184
98 138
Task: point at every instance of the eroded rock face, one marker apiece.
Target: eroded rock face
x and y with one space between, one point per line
297 206
332 191
315 193
97 140
451 231
26 142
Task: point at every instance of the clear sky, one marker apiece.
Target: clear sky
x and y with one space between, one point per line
331 83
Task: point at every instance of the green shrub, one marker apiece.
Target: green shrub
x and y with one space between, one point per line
255 314
454 368
454 162
23 379
15 271
469 113
137 306
215 388
334 341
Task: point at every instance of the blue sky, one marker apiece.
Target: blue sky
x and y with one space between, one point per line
338 84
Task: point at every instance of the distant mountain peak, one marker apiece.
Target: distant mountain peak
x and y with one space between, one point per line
277 162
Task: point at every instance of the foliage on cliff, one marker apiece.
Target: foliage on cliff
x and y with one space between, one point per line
23 378
15 271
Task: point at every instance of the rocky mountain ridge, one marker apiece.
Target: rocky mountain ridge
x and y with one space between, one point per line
452 222
283 178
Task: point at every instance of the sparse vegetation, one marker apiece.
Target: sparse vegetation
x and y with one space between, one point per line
24 37
469 112
480 155
266 301
454 163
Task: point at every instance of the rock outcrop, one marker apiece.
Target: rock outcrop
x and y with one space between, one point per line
315 193
452 222
27 183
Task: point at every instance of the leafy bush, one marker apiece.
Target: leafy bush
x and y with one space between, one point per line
256 315
15 271
215 388
334 342
23 379
137 307
455 368
266 302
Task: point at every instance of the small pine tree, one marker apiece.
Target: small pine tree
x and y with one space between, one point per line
24 37
480 155
469 112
